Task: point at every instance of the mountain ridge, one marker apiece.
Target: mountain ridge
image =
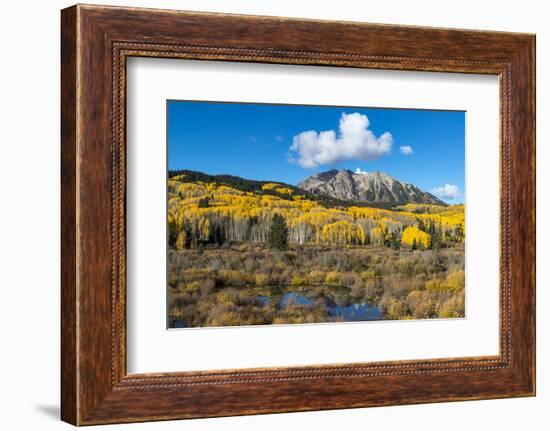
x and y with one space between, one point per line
335 195
367 187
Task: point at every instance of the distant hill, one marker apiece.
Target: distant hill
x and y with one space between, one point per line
255 186
369 188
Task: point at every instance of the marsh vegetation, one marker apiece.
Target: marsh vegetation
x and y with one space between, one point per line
274 256
252 285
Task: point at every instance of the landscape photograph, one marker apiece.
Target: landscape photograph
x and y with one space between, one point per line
299 214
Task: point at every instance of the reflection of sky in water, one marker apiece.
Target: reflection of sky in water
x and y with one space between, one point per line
264 300
354 312
178 323
295 298
351 312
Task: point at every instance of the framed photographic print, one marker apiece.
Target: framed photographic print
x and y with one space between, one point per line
255 237
260 217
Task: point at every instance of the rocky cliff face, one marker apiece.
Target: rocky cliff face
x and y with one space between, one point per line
372 187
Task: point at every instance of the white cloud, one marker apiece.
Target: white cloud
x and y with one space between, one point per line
448 191
360 172
353 141
406 150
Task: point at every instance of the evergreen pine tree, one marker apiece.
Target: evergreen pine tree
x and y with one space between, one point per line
395 241
435 240
204 203
278 233
173 232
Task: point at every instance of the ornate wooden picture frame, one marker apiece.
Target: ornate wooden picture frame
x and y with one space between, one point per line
96 41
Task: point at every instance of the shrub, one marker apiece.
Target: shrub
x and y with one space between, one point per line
227 297
316 276
297 280
332 277
420 304
455 280
348 279
452 308
261 279
435 285
207 286
394 308
368 275
231 277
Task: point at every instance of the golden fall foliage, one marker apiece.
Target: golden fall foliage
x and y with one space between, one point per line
235 215
414 236
271 186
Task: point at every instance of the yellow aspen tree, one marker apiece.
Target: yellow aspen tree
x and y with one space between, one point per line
413 234
181 241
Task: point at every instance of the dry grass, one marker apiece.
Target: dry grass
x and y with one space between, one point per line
224 286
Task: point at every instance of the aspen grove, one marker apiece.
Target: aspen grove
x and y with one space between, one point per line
203 213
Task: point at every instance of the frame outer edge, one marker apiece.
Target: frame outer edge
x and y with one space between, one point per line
69 197
532 101
87 397
533 54
523 216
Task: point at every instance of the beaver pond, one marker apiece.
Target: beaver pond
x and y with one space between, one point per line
333 303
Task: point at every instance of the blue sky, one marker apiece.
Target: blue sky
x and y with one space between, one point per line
267 142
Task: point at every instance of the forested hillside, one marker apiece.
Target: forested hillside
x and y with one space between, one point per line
246 185
212 212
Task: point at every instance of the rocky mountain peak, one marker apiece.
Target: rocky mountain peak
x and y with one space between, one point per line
371 187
